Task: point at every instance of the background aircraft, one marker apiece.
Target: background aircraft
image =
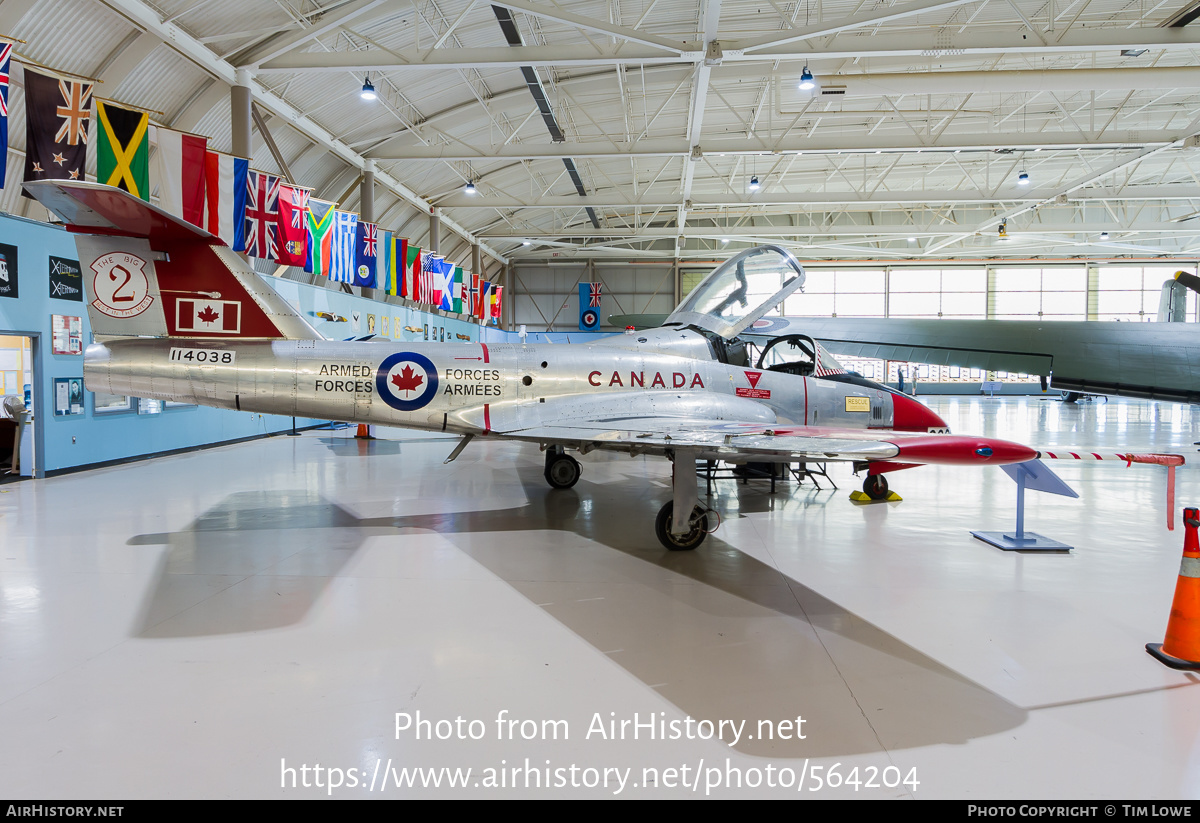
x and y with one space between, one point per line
1159 361
185 318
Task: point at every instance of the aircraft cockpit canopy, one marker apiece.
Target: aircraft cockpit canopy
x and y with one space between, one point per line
740 291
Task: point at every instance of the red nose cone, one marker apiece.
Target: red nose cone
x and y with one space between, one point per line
961 450
910 416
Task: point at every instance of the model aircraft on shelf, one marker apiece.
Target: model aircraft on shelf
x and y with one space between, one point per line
182 317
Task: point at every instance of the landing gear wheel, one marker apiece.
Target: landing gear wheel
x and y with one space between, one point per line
687 541
562 471
876 487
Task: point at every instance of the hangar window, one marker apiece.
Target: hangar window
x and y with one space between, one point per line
1131 293
958 292
1052 293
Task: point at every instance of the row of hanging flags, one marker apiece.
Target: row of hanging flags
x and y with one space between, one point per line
251 211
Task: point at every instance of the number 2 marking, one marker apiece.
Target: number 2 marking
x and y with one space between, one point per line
117 297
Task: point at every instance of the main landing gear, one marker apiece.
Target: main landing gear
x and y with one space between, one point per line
697 528
876 487
562 470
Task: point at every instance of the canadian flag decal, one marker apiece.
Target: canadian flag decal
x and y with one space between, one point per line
753 377
208 316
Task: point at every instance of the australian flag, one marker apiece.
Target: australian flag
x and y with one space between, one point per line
5 55
366 254
262 215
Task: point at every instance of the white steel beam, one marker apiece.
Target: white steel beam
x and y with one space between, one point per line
854 21
822 143
321 25
889 232
918 197
894 45
591 24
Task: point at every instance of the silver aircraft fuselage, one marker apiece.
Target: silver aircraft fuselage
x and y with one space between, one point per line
468 388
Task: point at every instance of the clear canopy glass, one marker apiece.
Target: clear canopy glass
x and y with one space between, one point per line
741 290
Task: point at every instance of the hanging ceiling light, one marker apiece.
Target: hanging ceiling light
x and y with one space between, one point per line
1023 179
524 242
470 187
368 90
754 185
1103 235
806 80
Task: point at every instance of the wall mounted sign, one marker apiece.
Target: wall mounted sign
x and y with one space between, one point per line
67 334
8 270
66 279
68 396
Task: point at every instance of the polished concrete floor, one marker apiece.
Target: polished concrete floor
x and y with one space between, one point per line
220 624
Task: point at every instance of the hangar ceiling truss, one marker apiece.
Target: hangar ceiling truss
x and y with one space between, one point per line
911 146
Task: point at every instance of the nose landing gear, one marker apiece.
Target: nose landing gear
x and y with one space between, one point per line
876 487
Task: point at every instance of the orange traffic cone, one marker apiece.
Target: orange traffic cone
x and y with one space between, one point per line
1181 649
364 432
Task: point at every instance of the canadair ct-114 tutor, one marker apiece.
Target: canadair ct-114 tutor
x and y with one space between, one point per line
180 316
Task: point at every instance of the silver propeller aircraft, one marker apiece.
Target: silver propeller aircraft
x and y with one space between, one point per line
182 317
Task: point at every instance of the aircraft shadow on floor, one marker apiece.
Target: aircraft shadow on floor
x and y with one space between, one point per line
701 628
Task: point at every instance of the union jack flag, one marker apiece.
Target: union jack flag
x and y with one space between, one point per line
594 298
370 239
299 207
5 54
76 112
262 215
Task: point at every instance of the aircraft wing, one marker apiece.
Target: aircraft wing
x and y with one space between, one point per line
736 429
1152 360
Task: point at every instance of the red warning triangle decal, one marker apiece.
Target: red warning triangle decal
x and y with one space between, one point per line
753 377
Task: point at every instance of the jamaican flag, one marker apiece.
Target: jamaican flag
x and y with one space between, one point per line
123 151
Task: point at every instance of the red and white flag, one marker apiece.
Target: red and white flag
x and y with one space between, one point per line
293 235
179 165
208 316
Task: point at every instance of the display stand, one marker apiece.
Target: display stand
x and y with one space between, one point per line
1037 476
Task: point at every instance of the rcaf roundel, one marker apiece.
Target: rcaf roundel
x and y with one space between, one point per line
766 325
407 381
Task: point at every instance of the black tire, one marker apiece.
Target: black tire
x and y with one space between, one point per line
876 487
1071 396
684 542
562 471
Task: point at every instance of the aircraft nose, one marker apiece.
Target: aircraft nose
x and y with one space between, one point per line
908 415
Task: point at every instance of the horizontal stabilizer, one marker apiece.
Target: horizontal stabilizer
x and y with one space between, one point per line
1039 478
92 208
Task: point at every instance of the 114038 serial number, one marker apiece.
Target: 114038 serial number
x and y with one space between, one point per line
209 357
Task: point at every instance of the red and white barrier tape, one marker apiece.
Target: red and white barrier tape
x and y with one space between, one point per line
1168 460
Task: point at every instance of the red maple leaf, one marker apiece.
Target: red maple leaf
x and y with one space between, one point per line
407 380
208 315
